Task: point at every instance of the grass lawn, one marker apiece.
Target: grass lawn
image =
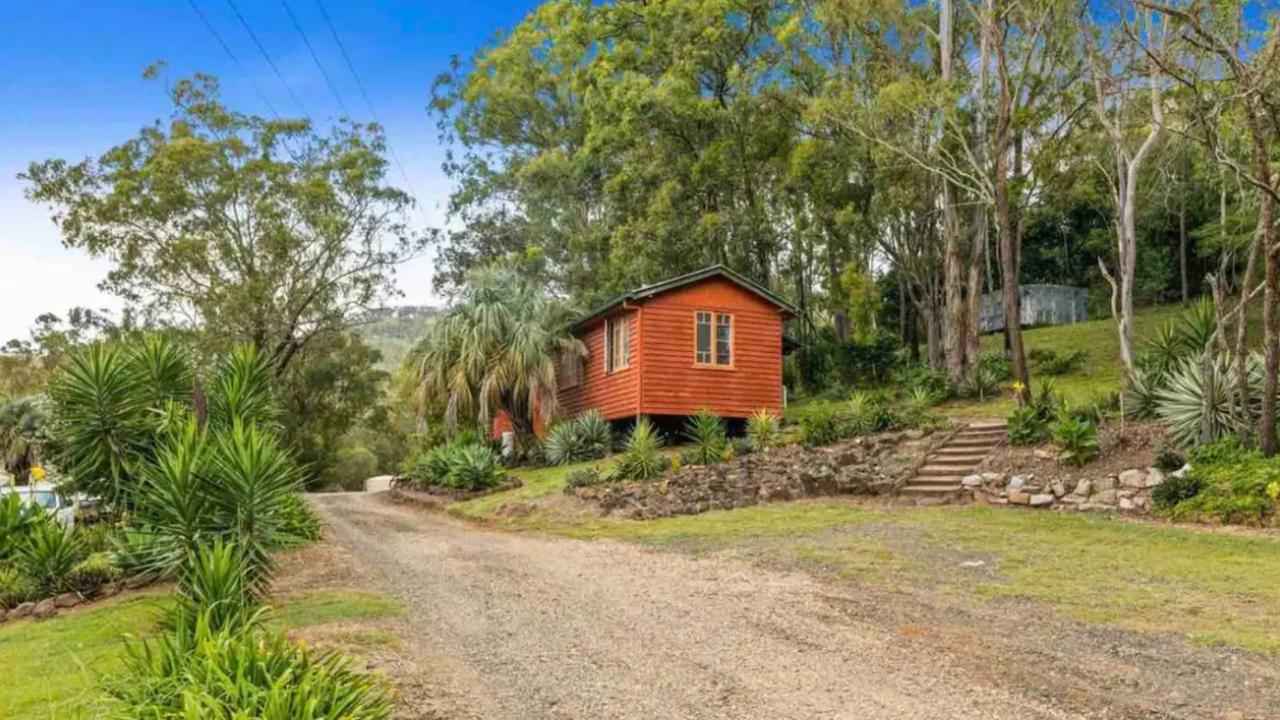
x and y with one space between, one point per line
52 669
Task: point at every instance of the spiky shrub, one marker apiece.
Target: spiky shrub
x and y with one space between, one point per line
1046 401
820 424
866 414
641 457
584 477
1195 408
430 467
594 434
202 670
241 390
18 519
764 430
1196 326
705 432
298 522
1044 361
922 376
982 382
1025 426
48 558
1161 352
560 446
917 410
474 467
1076 439
1141 393
15 587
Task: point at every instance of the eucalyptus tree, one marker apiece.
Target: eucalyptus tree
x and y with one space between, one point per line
243 228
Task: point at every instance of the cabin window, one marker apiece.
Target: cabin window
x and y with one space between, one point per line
713 338
570 371
617 340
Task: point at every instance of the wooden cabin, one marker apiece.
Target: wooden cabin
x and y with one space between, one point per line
709 339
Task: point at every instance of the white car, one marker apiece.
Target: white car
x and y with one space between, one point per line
44 494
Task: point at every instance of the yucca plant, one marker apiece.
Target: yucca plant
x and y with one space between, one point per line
918 407
213 585
240 390
18 519
1196 326
560 446
1076 439
102 421
982 382
49 556
163 371
706 433
864 408
764 431
641 458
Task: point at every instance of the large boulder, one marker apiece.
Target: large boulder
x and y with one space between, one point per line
44 609
1134 478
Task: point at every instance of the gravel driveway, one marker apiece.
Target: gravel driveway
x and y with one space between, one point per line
523 626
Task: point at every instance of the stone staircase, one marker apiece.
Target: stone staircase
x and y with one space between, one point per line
938 480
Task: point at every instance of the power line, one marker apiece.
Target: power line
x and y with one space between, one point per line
368 103
315 58
267 56
235 60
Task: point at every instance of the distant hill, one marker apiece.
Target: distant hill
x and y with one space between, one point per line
395 330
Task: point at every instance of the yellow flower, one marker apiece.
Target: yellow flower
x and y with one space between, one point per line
37 473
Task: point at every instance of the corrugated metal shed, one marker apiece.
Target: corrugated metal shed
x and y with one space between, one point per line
1041 305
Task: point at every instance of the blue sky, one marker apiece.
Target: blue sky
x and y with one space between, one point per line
71 86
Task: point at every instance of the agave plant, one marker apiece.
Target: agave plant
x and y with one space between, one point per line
1141 394
1196 326
706 433
49 555
474 466
1162 351
594 434
1193 410
763 430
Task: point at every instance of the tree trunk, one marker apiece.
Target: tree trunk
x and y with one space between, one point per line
1007 231
954 330
1267 228
1182 228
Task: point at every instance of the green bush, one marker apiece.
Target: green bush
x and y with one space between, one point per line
1167 456
706 433
584 477
298 522
870 361
585 437
1175 489
1077 440
48 558
982 382
351 468
996 365
1225 451
1026 426
201 670
15 587
1225 485
641 457
918 409
764 430
93 572
922 376
1050 362
820 424
460 465
18 519
739 447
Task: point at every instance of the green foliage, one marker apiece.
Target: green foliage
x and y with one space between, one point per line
214 588
93 572
354 465
996 365
18 520
48 557
764 430
585 437
868 360
15 587
298 522
863 301
1044 361
1196 327
641 457
584 477
1026 426
496 350
1167 456
1077 440
923 377
1225 484
917 410
982 382
706 433
24 433
1183 401
1142 393
202 670
820 424
1224 451
464 465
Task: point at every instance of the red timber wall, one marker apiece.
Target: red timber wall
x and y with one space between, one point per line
614 394
671 382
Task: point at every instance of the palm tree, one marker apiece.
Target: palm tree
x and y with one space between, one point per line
22 434
497 349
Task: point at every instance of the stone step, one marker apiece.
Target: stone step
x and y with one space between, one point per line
945 472
930 490
988 426
950 450
994 433
950 481
965 458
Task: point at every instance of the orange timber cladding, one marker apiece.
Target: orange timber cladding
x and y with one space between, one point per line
662 377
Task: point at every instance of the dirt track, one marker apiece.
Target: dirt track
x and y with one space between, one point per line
522 626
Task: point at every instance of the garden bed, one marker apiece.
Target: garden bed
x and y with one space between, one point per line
1117 451
439 496
869 465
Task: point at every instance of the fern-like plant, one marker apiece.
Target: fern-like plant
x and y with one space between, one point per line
763 430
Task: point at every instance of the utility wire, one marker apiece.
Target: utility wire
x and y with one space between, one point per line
315 58
267 56
368 103
235 60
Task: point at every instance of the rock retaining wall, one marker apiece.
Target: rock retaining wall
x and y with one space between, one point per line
1130 491
870 465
